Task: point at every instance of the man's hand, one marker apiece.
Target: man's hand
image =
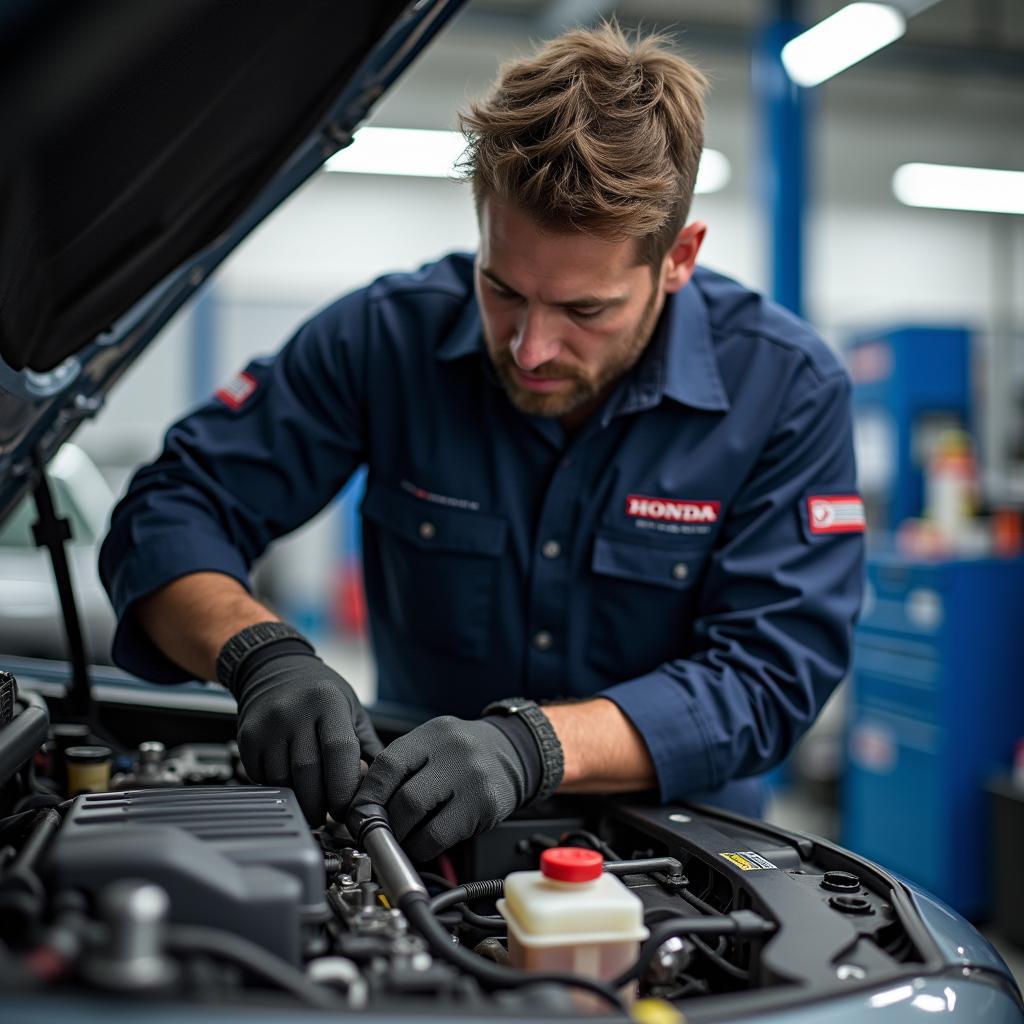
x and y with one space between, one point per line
448 780
301 725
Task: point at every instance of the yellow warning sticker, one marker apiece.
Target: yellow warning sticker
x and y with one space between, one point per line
747 860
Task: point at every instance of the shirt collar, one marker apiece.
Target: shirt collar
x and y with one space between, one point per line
679 363
691 369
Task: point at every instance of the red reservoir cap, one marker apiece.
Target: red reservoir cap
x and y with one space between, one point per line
571 864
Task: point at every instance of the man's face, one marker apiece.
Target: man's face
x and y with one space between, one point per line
564 315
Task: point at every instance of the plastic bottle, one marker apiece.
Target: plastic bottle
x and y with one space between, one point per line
571 916
951 486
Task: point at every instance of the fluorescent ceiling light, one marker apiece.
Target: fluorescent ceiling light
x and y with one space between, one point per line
714 172
848 36
422 153
416 152
960 188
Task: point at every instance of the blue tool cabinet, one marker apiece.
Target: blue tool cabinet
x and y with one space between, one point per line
937 703
906 379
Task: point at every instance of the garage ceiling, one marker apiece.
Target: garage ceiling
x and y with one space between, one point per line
979 36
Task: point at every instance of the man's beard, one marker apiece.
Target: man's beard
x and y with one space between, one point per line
584 388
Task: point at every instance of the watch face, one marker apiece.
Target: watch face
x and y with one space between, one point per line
508 706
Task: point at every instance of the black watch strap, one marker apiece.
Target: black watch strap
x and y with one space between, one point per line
543 731
248 640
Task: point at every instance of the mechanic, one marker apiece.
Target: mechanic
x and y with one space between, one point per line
599 476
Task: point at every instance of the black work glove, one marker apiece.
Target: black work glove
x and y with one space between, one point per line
301 725
450 779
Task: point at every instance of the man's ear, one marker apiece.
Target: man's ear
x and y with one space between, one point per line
681 260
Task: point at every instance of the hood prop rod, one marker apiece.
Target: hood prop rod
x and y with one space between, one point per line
52 532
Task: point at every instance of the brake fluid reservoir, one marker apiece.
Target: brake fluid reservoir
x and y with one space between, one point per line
571 916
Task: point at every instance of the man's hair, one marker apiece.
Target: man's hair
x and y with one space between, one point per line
596 133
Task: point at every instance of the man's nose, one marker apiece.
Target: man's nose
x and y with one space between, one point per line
535 342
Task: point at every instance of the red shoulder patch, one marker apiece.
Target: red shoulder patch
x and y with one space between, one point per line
837 513
237 391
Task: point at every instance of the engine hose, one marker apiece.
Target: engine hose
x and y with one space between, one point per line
666 913
695 901
42 831
371 828
715 957
645 866
21 890
435 879
460 894
488 889
593 841
13 828
481 921
742 924
490 975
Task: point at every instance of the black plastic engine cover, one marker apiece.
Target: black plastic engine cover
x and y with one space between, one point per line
240 859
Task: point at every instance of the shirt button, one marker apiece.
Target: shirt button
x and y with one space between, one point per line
427 530
551 549
680 571
543 640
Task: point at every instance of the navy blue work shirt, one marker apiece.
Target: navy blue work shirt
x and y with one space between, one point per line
693 552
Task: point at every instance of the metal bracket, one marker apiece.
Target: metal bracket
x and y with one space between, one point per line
52 532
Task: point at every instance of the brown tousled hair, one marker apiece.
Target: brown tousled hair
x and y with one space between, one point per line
595 133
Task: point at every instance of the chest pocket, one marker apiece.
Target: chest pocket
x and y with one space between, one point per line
642 603
437 569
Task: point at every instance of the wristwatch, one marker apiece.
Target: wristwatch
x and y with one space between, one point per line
552 759
250 639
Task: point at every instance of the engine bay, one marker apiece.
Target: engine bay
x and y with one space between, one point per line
179 880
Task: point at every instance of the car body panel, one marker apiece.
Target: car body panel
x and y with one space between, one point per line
944 997
959 941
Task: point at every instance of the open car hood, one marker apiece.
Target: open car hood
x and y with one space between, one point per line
143 142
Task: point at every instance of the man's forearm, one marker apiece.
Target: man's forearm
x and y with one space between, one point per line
604 752
191 618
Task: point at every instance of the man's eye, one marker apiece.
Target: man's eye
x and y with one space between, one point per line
503 293
587 314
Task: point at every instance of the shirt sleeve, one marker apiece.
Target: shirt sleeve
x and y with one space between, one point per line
772 635
257 460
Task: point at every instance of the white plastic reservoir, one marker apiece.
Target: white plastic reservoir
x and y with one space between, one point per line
571 916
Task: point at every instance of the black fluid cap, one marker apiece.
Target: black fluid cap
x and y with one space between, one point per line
88 755
840 881
851 904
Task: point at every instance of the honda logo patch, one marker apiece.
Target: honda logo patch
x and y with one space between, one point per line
672 510
843 513
237 391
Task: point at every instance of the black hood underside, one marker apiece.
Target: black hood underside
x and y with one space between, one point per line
136 134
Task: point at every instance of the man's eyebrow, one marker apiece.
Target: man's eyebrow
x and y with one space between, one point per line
583 302
494 279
